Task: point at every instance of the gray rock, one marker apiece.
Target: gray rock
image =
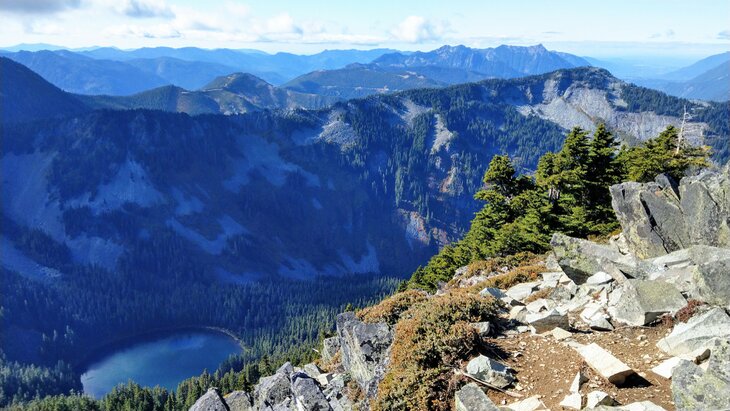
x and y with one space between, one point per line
599 323
490 371
483 328
522 291
493 292
608 366
365 350
658 217
696 333
642 302
580 259
471 398
210 401
312 370
573 401
272 390
598 278
330 347
596 398
712 281
307 395
528 404
695 389
546 321
239 401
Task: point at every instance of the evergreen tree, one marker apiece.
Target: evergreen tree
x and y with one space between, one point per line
662 155
603 171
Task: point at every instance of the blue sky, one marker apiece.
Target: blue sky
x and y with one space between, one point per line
617 28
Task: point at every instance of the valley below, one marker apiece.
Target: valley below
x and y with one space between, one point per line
165 247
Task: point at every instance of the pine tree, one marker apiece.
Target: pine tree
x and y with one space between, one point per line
602 172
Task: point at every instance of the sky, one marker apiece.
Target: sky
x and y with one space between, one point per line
607 28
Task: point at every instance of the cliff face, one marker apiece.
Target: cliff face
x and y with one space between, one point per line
644 317
661 217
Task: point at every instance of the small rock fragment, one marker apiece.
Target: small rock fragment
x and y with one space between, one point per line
608 366
596 398
471 398
490 371
572 401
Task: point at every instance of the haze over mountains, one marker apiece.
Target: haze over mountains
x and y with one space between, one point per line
111 71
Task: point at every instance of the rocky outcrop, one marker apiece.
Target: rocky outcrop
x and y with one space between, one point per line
210 401
471 398
660 217
696 389
641 302
580 259
365 350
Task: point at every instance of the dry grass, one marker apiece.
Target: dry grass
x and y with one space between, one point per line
431 338
544 293
390 309
513 277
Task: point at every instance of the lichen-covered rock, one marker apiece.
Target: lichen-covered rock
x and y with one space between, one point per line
330 347
712 281
546 321
696 333
696 389
272 390
490 371
658 218
365 350
307 394
471 398
641 302
581 259
239 401
210 401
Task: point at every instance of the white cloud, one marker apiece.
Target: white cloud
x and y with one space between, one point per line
723 35
417 29
146 9
668 34
160 31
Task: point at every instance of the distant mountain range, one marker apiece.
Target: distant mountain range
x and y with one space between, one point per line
707 79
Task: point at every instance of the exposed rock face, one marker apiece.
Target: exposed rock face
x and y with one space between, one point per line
642 302
273 390
365 350
581 259
307 395
696 389
471 398
210 401
330 348
239 401
697 332
658 218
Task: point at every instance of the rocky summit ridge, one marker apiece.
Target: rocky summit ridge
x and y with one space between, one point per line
639 323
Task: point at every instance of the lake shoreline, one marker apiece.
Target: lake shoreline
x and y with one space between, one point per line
102 350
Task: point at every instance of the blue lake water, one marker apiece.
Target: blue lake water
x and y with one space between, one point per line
164 361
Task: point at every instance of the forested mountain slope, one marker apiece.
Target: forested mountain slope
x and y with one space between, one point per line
117 221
